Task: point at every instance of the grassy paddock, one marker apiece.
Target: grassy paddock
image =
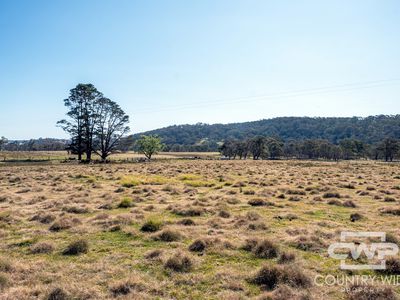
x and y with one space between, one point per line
188 229
54 156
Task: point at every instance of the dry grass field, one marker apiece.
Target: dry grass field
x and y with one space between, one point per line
57 156
188 229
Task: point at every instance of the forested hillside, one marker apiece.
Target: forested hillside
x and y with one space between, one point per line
204 137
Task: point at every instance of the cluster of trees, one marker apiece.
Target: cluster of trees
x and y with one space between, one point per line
204 137
95 123
147 145
274 148
41 144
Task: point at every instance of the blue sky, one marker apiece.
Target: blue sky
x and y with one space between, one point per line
176 62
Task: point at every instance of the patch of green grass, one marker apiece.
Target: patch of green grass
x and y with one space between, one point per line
24 243
185 177
85 178
199 183
126 202
317 214
132 181
129 181
155 180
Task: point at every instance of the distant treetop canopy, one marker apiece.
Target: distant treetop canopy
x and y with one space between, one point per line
203 137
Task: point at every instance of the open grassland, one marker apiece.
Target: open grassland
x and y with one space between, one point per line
57 156
175 229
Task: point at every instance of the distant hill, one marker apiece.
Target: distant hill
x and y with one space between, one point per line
204 137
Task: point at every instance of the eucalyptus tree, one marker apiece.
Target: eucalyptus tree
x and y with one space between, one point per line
3 142
389 148
257 147
82 116
110 128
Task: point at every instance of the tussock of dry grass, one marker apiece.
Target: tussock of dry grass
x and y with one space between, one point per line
269 277
368 292
76 248
179 262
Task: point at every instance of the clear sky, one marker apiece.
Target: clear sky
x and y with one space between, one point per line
211 61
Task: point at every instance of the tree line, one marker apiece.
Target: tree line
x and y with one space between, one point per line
261 147
205 137
46 144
